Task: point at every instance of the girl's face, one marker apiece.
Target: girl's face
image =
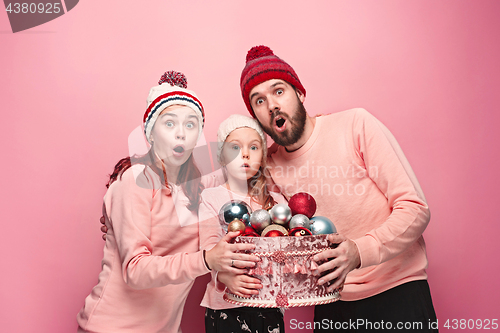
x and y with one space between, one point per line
242 153
175 134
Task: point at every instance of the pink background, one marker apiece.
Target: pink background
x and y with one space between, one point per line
72 90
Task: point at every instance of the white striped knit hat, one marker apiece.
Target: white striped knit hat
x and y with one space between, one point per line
172 90
236 121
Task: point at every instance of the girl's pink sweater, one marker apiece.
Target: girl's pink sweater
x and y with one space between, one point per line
211 232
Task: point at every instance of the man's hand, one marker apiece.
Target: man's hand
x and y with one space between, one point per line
240 284
104 229
226 257
342 259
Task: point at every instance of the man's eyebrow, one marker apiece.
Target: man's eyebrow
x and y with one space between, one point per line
277 83
253 95
272 86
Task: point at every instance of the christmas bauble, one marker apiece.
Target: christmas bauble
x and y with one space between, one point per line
274 230
321 225
281 214
260 219
300 231
299 220
236 225
234 209
250 232
302 203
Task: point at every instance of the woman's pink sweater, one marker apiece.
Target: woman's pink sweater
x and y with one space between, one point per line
151 257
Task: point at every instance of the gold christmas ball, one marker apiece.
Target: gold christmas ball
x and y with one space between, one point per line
236 225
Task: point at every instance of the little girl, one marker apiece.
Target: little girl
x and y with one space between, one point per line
242 152
152 256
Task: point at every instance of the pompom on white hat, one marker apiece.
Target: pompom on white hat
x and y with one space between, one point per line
234 122
171 90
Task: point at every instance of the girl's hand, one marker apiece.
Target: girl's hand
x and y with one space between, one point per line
240 284
223 257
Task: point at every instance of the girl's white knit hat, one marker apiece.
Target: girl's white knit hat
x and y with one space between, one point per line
171 91
236 121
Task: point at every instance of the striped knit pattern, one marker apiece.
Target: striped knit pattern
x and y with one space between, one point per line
177 97
262 65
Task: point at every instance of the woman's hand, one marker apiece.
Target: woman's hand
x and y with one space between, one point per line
104 229
224 256
240 284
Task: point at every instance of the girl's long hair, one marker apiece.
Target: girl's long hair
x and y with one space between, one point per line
189 175
257 187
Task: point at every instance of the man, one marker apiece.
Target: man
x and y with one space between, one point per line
354 168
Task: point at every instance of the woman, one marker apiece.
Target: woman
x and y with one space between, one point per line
152 256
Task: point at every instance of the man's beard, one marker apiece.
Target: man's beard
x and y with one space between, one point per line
296 126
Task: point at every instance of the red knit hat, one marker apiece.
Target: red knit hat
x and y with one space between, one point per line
263 65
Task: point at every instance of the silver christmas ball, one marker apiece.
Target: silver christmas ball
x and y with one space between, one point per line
299 220
281 214
234 209
321 225
260 219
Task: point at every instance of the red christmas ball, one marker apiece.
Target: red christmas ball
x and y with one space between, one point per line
300 231
302 203
250 232
274 233
274 230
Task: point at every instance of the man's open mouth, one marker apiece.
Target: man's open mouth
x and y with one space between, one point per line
280 122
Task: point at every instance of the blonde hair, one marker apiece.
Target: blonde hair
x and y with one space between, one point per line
257 187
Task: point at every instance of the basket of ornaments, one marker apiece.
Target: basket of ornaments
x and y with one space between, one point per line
286 237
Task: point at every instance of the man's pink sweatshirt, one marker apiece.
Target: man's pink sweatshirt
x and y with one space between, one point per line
361 180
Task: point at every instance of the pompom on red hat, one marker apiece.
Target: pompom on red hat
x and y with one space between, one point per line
262 65
171 90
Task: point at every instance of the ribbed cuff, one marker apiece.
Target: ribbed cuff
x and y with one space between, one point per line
205 259
368 251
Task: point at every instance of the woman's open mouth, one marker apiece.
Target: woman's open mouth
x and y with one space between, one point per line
178 151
